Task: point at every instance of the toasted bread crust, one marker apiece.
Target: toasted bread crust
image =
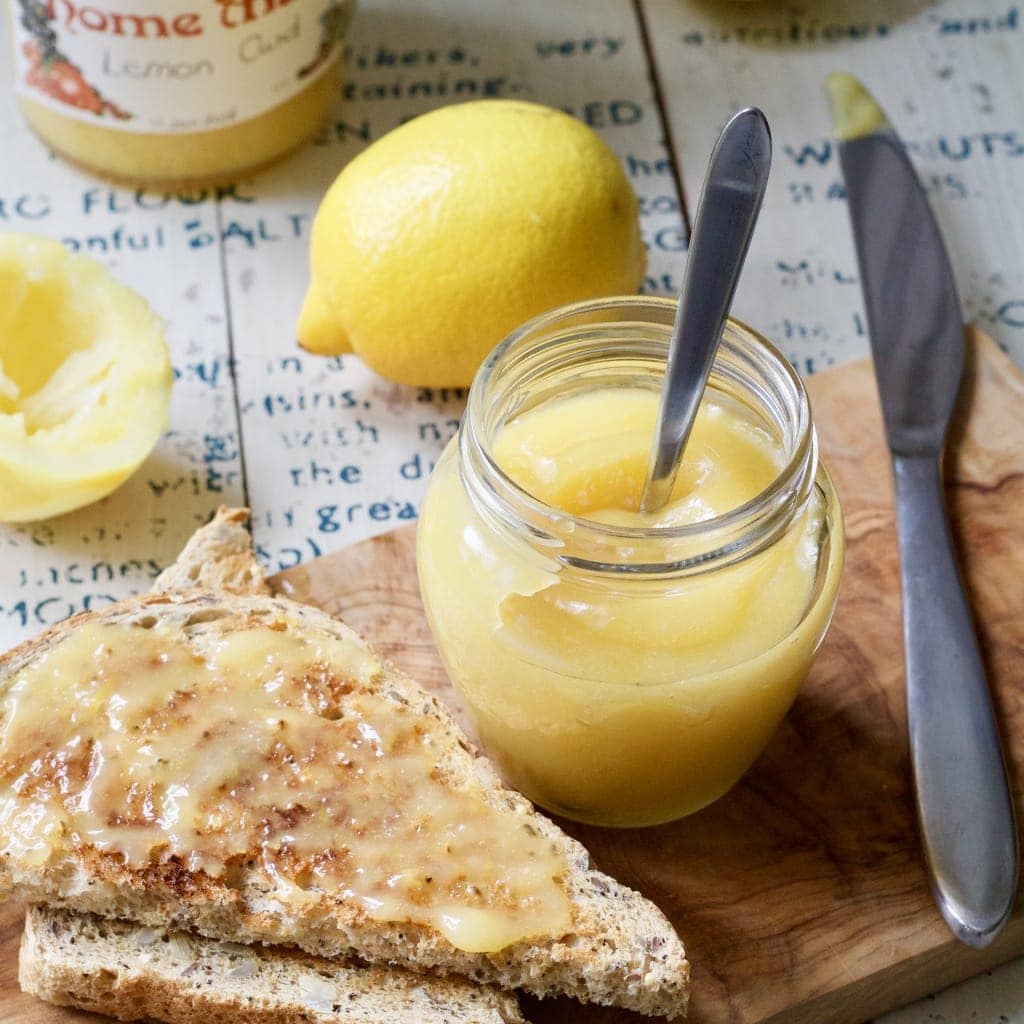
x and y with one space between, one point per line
131 972
218 557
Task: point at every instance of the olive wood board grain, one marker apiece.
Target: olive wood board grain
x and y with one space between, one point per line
801 896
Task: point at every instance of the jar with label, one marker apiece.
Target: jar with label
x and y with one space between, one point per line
626 668
176 92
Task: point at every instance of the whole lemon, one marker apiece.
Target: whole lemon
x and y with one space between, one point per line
448 232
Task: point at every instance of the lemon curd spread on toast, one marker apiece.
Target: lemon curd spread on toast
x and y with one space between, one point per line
270 746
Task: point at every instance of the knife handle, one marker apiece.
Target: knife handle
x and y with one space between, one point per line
964 807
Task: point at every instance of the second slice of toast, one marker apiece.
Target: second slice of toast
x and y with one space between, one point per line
132 972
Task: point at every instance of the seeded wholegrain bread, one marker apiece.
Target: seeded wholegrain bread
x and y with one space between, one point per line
131 972
619 949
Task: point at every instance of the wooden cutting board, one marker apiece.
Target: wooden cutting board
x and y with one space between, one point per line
801 895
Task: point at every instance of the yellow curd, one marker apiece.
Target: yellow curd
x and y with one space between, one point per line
621 668
171 161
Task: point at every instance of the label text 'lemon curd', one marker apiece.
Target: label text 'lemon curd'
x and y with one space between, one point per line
267 746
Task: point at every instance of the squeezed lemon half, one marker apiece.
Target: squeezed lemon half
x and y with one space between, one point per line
85 379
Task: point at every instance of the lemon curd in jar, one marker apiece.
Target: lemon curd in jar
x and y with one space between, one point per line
176 92
624 668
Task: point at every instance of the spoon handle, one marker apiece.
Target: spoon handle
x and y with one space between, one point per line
729 204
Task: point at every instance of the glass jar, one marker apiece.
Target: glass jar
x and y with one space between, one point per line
171 93
620 674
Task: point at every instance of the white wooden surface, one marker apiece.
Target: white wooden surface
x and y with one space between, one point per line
951 78
326 453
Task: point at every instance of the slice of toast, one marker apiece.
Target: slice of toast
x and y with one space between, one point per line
614 948
131 972
128 971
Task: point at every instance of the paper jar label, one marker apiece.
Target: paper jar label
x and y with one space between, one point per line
167 66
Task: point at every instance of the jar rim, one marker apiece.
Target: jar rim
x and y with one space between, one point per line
788 489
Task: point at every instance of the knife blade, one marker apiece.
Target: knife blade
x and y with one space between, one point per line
964 809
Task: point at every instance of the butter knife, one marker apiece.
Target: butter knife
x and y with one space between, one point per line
964 809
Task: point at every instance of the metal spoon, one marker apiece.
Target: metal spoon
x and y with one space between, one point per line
729 204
